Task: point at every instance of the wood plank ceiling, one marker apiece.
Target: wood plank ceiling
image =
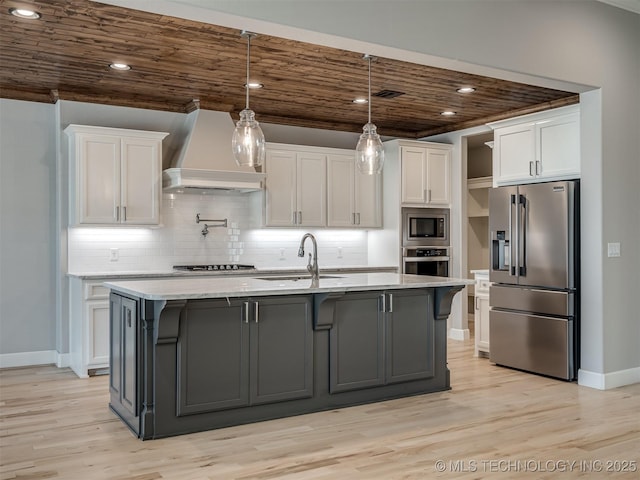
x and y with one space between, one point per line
65 55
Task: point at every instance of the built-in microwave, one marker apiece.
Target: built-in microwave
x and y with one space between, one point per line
425 227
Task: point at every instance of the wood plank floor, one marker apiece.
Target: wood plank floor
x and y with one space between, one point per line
494 423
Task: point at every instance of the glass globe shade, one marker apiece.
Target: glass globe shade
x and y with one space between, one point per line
370 151
248 143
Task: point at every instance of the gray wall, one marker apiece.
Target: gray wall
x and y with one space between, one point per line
27 227
585 45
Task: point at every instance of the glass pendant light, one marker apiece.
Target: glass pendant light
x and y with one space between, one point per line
369 151
248 140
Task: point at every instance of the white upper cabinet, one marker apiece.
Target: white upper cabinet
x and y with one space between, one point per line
426 173
296 187
538 147
354 199
115 176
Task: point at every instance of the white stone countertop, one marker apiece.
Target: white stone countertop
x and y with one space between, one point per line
244 273
241 286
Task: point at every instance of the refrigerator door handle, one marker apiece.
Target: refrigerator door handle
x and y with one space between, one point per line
513 236
522 228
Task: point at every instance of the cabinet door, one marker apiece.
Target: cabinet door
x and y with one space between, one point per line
414 164
410 336
438 177
281 349
311 189
514 153
559 147
368 199
213 356
280 191
340 190
481 319
96 315
129 359
98 181
140 181
356 358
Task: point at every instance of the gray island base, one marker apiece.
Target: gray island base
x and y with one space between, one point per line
189 355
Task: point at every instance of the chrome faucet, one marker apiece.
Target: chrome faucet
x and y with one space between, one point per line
311 266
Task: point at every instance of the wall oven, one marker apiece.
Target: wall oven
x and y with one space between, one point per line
425 226
432 261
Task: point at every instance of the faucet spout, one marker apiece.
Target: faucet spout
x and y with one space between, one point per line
312 266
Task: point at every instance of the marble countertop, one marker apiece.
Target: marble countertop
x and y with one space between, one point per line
243 273
241 286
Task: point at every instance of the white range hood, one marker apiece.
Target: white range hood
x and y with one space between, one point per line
205 162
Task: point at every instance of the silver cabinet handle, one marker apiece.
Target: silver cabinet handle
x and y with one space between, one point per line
246 312
294 218
383 297
538 167
299 217
124 214
358 214
531 173
255 304
117 214
129 318
391 303
429 195
353 219
426 195
477 307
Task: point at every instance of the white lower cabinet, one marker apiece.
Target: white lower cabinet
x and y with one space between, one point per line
89 327
481 313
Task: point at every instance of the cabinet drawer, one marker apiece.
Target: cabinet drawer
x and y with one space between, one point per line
95 291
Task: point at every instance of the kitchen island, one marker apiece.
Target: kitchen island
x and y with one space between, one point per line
193 354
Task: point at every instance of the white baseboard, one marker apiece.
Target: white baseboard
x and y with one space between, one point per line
64 360
459 333
606 381
25 359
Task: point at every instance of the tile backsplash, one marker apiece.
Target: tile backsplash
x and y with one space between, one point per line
179 240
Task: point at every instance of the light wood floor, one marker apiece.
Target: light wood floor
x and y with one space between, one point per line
499 422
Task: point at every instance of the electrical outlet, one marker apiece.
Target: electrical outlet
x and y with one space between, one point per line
114 254
339 252
613 249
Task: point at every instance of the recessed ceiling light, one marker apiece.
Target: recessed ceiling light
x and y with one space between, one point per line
360 100
24 13
448 113
119 66
466 90
254 85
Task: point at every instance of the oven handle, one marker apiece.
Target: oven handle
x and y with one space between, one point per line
425 259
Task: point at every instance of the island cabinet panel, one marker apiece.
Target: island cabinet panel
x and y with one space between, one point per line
410 336
124 365
213 357
244 352
380 338
357 343
281 349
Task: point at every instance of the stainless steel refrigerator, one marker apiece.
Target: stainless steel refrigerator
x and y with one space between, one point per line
534 295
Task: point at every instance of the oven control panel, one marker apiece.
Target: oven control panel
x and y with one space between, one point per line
425 252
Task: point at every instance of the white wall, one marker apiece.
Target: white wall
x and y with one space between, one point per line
27 233
583 46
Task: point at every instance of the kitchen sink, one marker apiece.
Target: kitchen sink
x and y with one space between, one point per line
294 278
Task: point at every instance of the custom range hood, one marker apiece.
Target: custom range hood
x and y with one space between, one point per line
205 161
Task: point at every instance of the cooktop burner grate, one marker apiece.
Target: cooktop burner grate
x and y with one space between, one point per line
214 267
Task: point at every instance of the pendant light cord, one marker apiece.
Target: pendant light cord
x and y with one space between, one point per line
369 102
248 62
